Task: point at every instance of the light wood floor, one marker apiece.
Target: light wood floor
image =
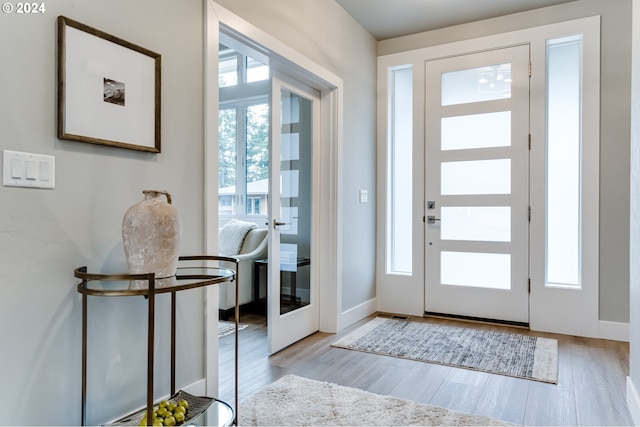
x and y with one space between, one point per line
590 390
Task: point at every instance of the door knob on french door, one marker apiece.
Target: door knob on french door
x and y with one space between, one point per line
431 219
277 223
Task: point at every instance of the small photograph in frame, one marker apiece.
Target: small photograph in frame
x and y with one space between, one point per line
108 89
113 92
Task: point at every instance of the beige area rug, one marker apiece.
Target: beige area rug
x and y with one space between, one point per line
296 401
515 355
227 328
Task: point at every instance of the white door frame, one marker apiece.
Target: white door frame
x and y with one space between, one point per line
403 294
329 215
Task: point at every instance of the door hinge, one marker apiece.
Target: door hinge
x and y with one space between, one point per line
529 141
529 68
529 285
529 215
423 218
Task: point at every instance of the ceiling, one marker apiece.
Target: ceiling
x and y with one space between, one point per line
393 18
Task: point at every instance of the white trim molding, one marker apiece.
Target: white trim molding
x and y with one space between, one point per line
211 100
633 401
358 312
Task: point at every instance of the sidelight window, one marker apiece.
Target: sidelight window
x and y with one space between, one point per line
400 174
563 186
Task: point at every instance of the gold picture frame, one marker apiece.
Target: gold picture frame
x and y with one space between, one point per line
108 89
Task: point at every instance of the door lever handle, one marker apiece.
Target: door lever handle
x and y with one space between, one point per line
277 223
431 219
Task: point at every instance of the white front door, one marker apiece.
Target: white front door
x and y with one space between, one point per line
292 285
477 185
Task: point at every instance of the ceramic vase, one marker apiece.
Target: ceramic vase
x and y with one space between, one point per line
151 234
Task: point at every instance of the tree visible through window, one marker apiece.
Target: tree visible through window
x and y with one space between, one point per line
227 147
257 142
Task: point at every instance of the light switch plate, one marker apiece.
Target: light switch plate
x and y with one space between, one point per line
28 170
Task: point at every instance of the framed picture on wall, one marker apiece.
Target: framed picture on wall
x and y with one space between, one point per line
108 89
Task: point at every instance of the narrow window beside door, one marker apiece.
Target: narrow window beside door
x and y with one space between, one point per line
563 189
400 174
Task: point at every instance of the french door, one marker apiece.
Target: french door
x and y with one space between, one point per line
292 285
477 185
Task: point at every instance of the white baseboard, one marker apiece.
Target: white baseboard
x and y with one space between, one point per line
616 331
359 312
633 402
198 388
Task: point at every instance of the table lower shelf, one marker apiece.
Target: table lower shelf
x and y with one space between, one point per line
202 411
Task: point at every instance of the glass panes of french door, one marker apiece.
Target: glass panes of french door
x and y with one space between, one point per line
477 177
293 309
295 201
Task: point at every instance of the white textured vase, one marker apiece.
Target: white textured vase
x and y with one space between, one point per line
151 234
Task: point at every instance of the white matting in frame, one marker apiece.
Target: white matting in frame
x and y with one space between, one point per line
108 91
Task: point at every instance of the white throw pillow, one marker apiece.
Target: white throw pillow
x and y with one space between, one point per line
232 235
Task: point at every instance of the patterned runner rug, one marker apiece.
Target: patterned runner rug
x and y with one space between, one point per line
297 401
510 354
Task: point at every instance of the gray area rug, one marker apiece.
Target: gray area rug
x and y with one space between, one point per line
296 401
510 354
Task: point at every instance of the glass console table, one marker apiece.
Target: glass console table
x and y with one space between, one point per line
193 272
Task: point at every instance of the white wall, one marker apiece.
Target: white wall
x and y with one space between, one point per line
323 32
614 126
45 234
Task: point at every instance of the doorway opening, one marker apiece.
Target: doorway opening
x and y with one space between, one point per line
225 31
268 127
536 237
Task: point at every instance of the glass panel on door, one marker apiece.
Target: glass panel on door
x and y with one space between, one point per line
476 223
478 84
476 131
481 270
295 201
476 177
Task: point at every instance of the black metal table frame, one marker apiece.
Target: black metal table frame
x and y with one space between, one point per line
149 293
